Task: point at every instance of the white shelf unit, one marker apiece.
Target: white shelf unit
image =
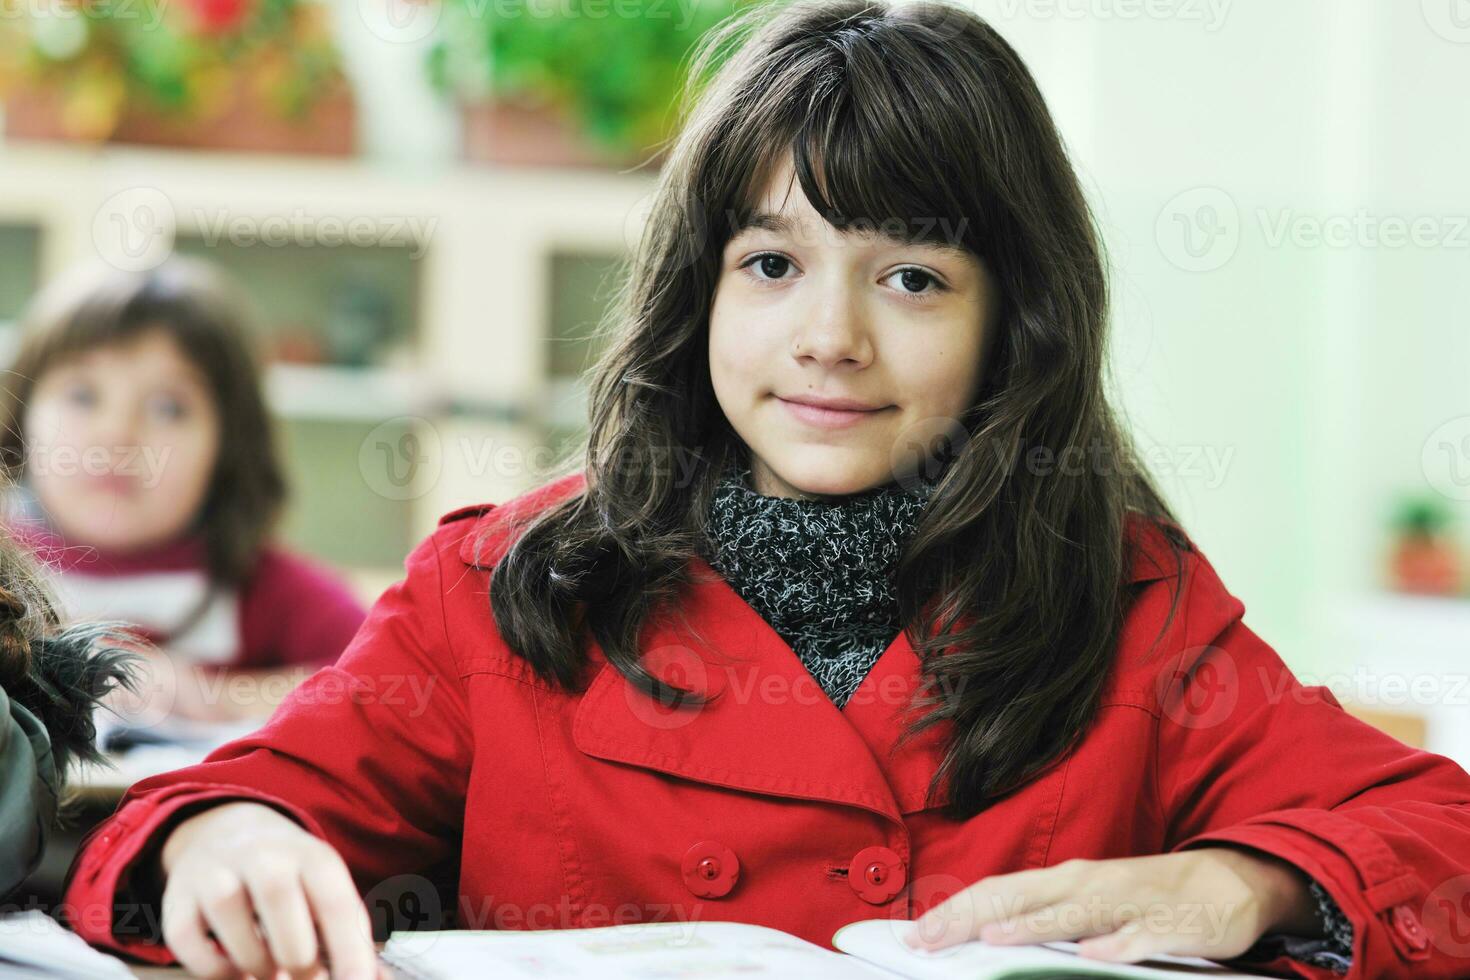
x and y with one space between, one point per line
479 374
1409 654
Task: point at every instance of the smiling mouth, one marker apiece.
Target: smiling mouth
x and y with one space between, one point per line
829 418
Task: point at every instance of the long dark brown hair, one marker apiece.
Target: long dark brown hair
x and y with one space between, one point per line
207 316
886 111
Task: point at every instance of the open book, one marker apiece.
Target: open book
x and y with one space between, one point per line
137 751
34 945
871 949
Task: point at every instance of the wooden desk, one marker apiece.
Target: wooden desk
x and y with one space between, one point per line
1407 727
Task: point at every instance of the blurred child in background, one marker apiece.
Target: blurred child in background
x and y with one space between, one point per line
148 482
50 680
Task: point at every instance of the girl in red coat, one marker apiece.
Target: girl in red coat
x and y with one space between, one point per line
856 605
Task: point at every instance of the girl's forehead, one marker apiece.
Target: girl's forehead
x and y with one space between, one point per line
776 190
880 209
151 349
791 217
778 203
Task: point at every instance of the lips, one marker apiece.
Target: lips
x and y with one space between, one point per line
825 416
834 404
114 483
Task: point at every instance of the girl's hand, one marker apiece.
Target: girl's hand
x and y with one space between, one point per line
166 686
265 888
172 686
1211 902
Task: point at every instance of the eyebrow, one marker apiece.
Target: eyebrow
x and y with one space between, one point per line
765 221
780 224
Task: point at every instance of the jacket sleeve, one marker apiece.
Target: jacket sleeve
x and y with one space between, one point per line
371 754
1249 756
28 792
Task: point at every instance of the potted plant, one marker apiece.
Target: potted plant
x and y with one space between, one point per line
578 83
1425 558
259 75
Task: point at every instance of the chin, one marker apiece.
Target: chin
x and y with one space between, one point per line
110 539
831 474
106 530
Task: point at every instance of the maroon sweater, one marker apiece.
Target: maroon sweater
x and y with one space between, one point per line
291 611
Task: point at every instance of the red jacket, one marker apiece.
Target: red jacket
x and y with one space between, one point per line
431 749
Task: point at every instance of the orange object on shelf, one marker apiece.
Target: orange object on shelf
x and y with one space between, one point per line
1425 558
505 132
1426 565
329 128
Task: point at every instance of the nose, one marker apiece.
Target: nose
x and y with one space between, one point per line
115 426
833 328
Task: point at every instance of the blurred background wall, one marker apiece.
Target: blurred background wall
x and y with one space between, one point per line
1281 187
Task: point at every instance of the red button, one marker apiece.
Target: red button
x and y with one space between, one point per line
1410 927
710 869
876 874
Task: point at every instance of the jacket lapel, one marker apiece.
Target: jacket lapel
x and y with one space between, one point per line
767 728
880 711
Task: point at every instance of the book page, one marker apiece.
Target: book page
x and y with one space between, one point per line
880 941
645 951
34 944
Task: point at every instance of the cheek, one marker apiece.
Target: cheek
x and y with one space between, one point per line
185 456
745 340
47 424
941 378
54 443
732 351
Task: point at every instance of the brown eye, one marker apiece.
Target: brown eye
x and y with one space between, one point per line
770 265
912 282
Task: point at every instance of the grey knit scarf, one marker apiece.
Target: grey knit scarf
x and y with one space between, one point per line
818 571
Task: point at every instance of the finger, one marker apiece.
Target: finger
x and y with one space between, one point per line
276 890
346 930
997 898
1060 921
225 903
185 935
1129 943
